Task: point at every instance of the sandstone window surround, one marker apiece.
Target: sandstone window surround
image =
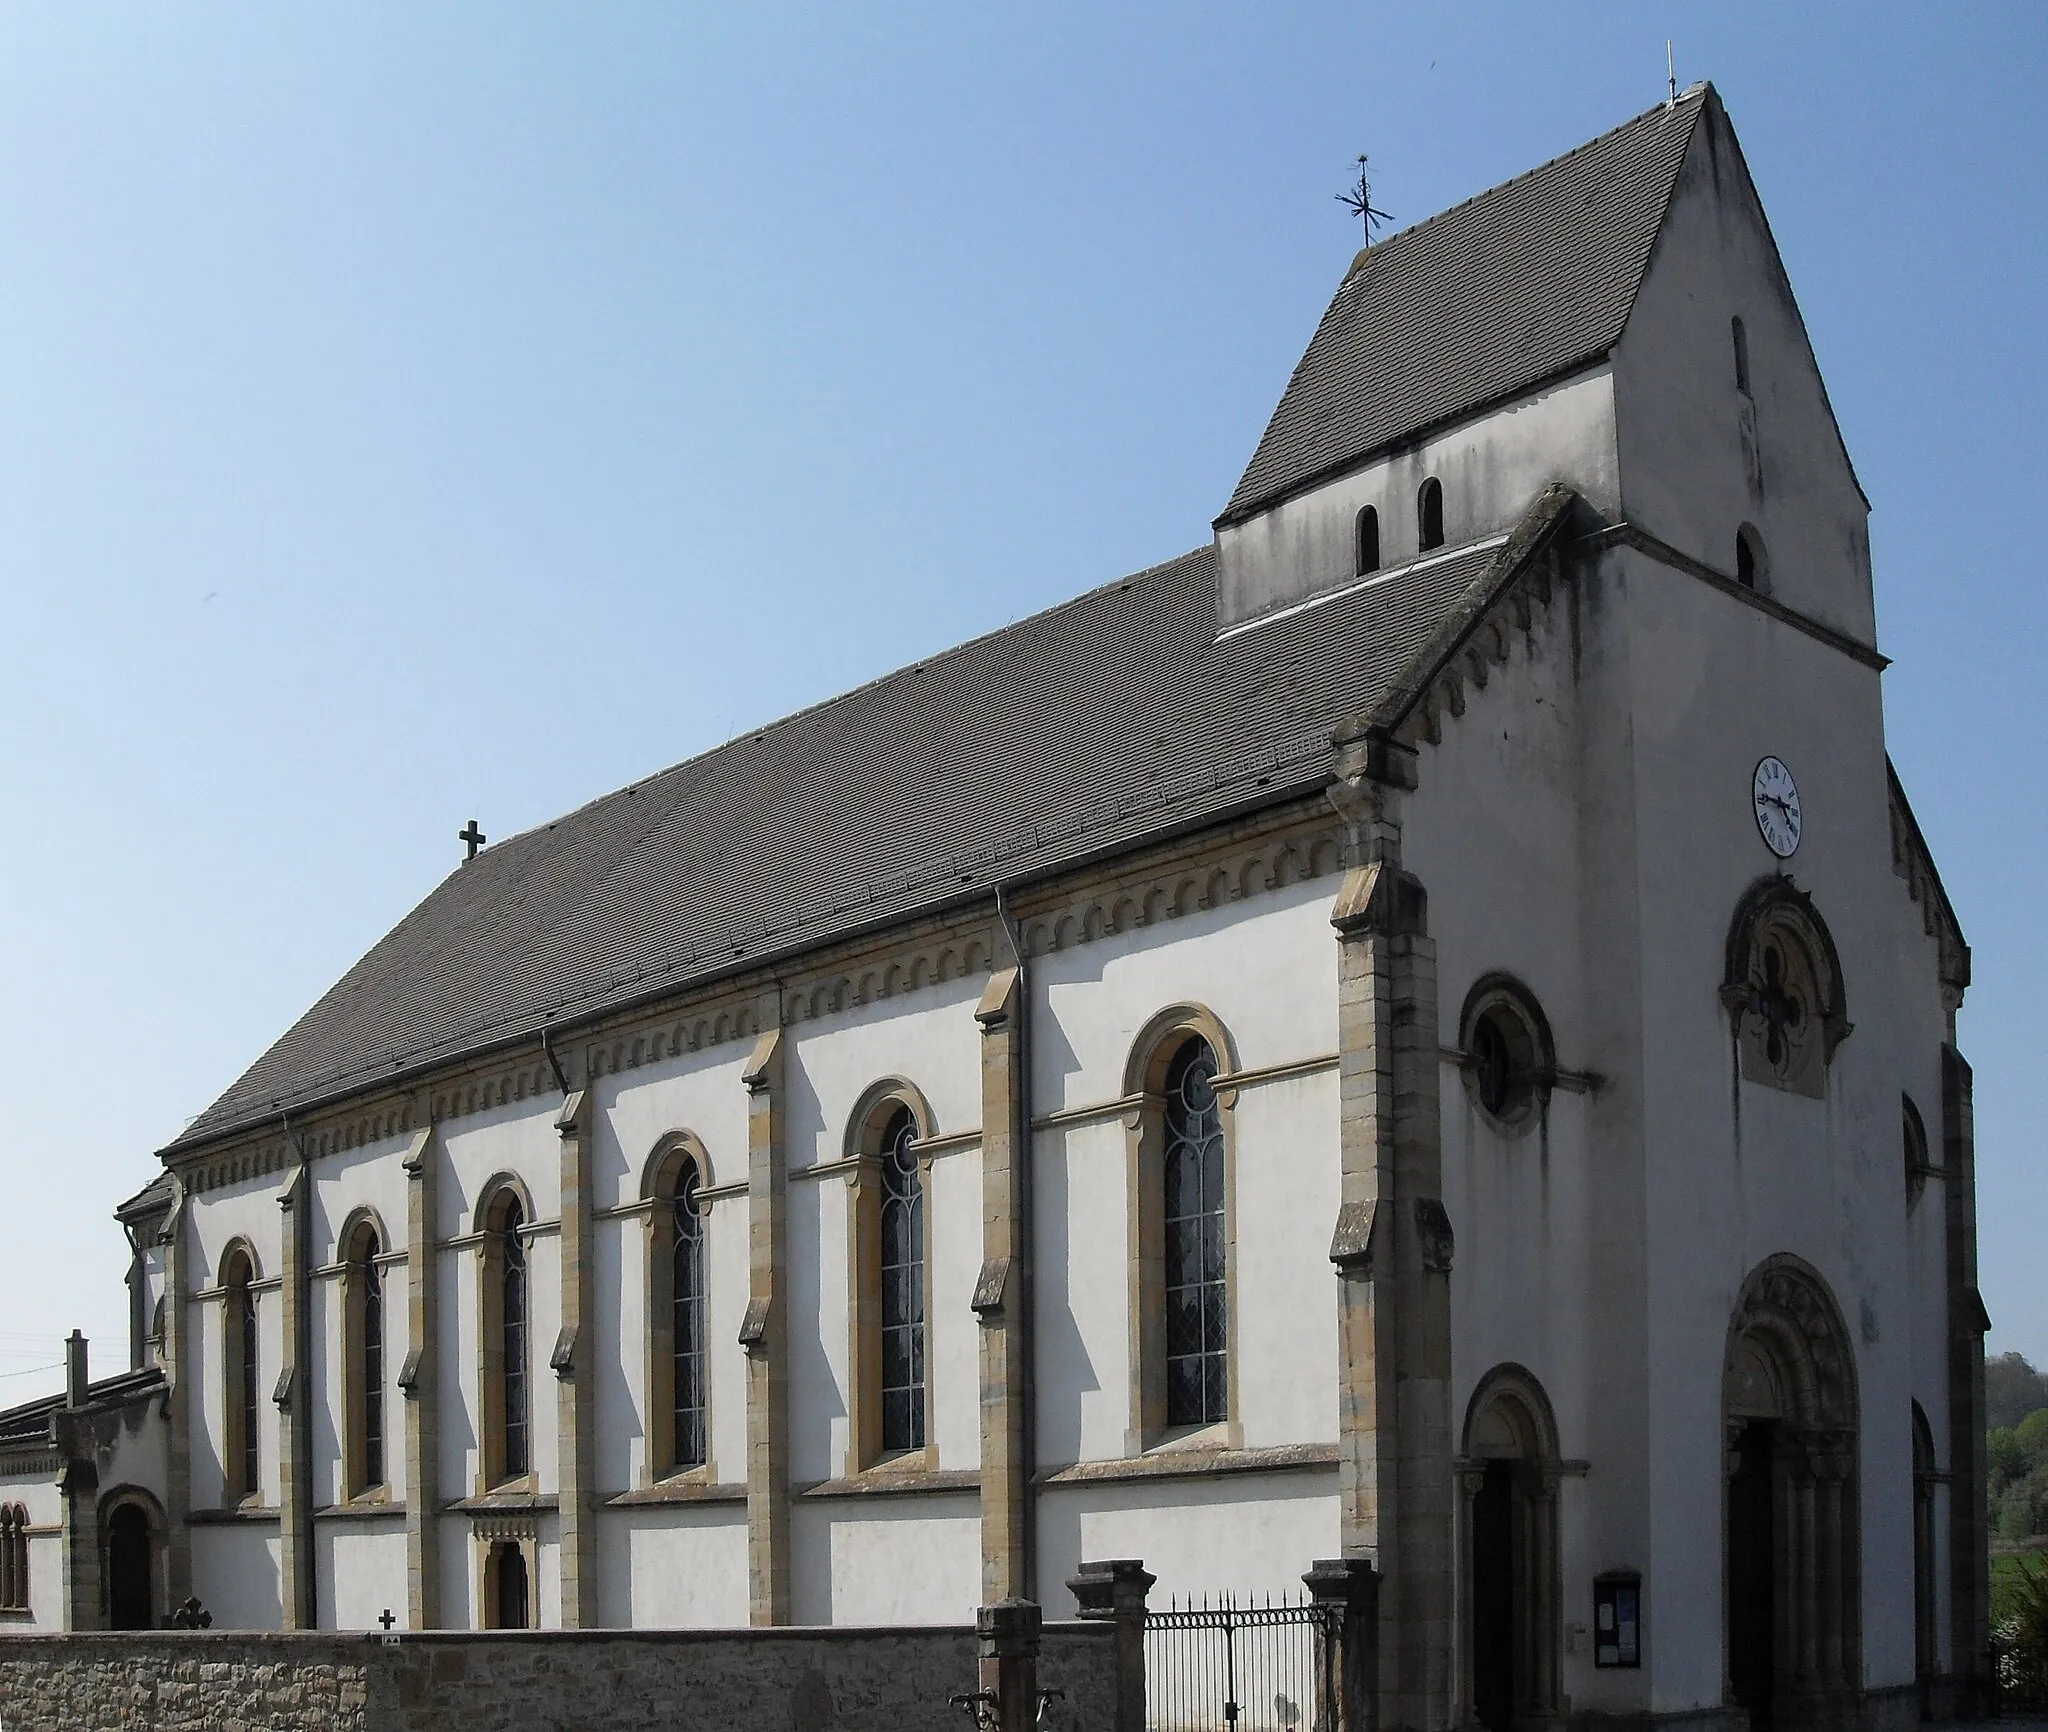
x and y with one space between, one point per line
1783 989
504 1337
1507 1055
678 1383
365 1437
1180 1157
889 1273
13 1558
241 1367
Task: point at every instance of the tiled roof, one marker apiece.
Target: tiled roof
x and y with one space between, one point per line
1519 285
1089 728
30 1421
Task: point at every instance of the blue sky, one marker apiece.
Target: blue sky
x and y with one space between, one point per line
408 413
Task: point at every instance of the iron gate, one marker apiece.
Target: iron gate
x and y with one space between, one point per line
1226 1666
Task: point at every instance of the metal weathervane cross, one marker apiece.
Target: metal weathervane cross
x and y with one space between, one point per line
1358 201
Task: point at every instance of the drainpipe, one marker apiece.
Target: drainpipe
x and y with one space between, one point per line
1027 1245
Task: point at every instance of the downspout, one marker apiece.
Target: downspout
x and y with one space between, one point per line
302 1370
1027 1244
554 1064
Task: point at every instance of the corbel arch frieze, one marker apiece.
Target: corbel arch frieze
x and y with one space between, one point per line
1519 616
1179 888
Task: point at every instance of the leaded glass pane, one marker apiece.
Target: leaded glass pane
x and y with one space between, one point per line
372 1391
902 1249
513 1320
1197 1316
250 1395
687 1321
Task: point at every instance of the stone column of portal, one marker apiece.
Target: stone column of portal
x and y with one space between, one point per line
1969 1515
765 1334
181 1366
294 1401
999 1297
1392 1246
575 1365
419 1382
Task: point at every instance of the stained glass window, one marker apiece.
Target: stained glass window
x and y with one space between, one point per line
372 1368
687 1322
512 1320
1197 1327
902 1288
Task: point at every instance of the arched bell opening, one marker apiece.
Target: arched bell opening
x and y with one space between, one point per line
1510 1626
1792 1559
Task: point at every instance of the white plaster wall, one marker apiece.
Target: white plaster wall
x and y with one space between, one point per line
371 1177
1237 1534
215 1220
520 1139
38 1494
1737 1172
1267 968
674 1567
930 1039
701 1093
906 1560
1683 425
361 1567
236 1572
1491 467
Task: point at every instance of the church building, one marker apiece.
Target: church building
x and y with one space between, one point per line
1421 1032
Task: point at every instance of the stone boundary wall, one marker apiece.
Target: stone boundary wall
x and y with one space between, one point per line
771 1680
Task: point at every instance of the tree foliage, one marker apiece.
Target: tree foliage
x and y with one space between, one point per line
2017 1448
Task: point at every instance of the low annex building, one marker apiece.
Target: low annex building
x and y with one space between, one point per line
1420 1031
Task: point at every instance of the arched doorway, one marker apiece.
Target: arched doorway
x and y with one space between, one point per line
1509 1475
1792 1574
508 1598
1925 1477
131 1568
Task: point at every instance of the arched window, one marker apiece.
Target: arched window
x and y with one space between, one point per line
888 1268
1914 1136
156 1332
363 1359
1178 1146
513 1321
1926 1476
1741 338
686 1323
1368 540
507 1318
902 1270
241 1388
1429 515
1751 571
1509 1062
1197 1303
13 1558
1783 989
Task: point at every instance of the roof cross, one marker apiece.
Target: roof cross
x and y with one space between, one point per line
473 837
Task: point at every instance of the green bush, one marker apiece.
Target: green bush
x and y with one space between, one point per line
2019 1640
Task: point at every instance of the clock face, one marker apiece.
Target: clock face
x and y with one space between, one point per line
1776 802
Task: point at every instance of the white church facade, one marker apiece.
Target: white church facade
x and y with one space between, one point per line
1420 1032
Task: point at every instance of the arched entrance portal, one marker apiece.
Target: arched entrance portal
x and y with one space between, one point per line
131 1568
1509 1625
1792 1572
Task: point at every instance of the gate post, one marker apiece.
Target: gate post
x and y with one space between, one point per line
1114 1590
1009 1638
1347 1592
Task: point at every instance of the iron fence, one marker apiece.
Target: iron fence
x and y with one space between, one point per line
1226 1665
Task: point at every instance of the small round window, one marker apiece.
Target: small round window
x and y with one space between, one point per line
1506 1053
